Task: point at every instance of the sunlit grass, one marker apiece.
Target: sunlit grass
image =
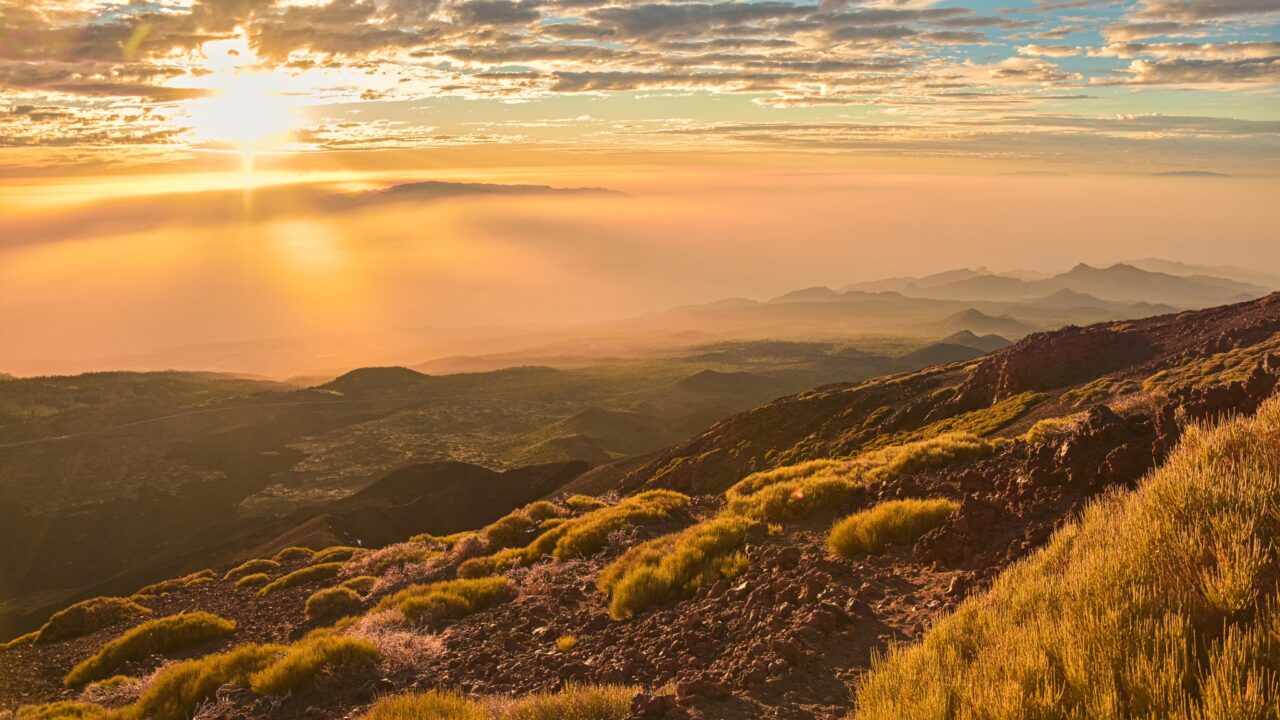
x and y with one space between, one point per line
889 523
154 637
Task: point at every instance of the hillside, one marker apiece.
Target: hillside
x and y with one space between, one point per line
756 569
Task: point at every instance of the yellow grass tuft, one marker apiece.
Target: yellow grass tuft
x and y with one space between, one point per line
574 702
565 643
252 567
302 576
293 553
447 600
254 580
1158 603
674 565
894 522
154 637
334 602
303 660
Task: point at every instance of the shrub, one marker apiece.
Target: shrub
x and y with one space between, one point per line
935 452
61 710
540 511
1158 603
293 553
447 600
307 657
20 641
254 580
433 705
332 603
509 531
565 643
302 576
583 503
674 565
178 690
154 637
167 586
574 702
252 567
570 538
361 584
338 553
894 522
83 618
381 560
1052 429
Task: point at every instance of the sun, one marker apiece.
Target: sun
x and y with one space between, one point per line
247 109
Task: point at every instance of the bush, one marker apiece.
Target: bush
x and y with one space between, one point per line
338 553
1157 603
433 705
167 586
894 522
447 600
509 531
381 560
20 641
574 702
86 617
1052 429
583 503
332 602
178 690
540 511
302 576
293 553
361 584
565 643
674 566
252 567
61 710
254 580
307 657
154 637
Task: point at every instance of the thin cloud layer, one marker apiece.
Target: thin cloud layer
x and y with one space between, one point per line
911 76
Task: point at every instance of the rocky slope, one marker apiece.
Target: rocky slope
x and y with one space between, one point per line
788 627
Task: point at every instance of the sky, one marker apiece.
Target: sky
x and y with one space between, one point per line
180 172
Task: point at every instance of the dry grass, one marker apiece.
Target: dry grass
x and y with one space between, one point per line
154 637
167 586
565 643
61 710
574 702
1052 429
177 691
447 600
83 618
337 553
579 537
290 554
674 566
793 492
894 522
303 660
252 567
302 576
377 562
254 580
1158 603
361 584
334 602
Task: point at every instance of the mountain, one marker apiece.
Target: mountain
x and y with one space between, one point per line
976 321
813 294
1117 283
899 284
754 569
986 343
1269 280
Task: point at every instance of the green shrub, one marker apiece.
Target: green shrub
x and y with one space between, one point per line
154 637
674 566
894 522
574 702
447 600
293 553
361 584
302 576
254 580
61 710
337 553
1158 603
252 567
307 657
332 602
178 690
